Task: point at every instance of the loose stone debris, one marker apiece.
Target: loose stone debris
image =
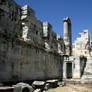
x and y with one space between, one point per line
38 52
37 90
38 84
53 83
6 89
23 87
61 84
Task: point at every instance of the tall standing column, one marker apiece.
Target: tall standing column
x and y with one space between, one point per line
67 36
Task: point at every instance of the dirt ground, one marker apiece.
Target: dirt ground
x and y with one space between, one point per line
72 88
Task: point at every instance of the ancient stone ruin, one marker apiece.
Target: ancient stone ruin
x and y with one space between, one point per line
31 52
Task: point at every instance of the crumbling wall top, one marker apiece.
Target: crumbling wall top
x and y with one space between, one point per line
67 19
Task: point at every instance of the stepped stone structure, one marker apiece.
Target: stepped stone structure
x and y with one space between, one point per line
82 45
31 50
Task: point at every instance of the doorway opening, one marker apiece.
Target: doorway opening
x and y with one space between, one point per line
69 70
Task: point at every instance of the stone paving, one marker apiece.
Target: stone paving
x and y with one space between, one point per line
72 88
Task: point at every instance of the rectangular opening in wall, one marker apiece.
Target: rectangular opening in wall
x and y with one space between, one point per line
69 70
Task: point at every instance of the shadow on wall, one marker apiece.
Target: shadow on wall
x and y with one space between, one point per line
83 62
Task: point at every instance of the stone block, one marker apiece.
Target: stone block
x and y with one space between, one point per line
6 89
53 83
37 90
38 84
23 87
47 86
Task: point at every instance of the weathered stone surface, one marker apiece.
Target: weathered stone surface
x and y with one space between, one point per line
47 86
23 55
6 89
67 36
87 75
53 83
32 63
76 70
10 18
52 41
61 84
31 50
37 90
81 46
23 87
38 84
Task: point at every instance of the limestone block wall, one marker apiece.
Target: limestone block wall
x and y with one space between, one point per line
31 27
81 46
79 64
21 61
22 52
76 68
52 41
10 14
88 69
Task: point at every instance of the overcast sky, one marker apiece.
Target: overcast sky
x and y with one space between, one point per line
53 11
